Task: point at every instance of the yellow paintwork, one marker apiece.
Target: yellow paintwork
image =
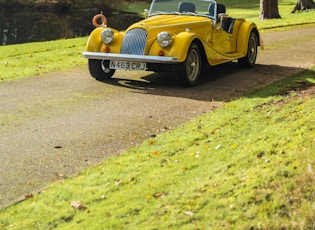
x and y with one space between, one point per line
95 44
219 45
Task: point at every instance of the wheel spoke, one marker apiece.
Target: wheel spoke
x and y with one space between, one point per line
191 67
252 50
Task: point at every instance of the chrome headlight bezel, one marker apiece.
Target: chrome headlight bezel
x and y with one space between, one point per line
164 39
107 36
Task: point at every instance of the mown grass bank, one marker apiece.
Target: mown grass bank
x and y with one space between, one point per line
34 59
247 165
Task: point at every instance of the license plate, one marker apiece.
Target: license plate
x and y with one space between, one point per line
126 65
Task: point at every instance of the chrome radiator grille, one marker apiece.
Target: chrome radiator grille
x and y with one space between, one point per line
134 42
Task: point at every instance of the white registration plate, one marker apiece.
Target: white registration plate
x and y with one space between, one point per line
126 65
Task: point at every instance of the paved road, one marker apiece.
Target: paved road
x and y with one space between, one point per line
54 125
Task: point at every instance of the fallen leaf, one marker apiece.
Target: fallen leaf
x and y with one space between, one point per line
157 195
189 213
155 153
27 196
77 205
132 179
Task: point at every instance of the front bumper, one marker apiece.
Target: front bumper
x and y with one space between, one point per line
130 57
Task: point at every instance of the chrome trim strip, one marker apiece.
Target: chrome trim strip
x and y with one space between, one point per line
130 57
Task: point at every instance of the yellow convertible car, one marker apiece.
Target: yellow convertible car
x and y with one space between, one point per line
176 36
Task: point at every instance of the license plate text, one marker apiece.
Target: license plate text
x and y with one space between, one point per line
126 65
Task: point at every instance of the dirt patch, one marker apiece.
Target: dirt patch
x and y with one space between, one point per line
303 90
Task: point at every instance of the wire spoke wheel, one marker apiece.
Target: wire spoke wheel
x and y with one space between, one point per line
193 65
252 49
188 72
251 55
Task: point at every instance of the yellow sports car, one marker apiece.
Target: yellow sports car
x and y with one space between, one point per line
176 36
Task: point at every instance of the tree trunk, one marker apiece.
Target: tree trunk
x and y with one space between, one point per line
269 9
302 5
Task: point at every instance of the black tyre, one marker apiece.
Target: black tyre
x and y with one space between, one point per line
250 58
99 69
187 73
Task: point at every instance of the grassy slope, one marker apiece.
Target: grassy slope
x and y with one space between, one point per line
33 59
247 164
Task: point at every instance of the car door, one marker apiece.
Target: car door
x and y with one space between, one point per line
221 40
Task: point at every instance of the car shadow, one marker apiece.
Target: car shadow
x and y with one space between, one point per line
225 82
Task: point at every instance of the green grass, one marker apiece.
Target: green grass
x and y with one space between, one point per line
247 165
138 7
33 59
250 10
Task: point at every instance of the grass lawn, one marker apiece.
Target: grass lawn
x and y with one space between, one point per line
247 165
34 59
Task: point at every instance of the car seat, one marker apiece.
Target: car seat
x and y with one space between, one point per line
220 10
186 7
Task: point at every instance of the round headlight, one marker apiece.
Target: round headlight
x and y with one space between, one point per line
107 36
164 39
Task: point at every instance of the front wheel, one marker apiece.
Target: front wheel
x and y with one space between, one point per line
251 55
99 69
187 73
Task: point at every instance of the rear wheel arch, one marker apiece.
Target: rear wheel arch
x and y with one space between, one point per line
254 30
244 32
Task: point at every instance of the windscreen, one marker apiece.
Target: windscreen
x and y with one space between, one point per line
191 7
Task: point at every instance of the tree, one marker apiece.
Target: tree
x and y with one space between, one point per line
302 5
269 9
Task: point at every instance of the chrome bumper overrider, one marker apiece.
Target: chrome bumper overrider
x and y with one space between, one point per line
130 57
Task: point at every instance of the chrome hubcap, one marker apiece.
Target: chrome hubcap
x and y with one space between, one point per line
193 65
252 52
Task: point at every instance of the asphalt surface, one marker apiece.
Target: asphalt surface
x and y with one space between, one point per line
54 125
